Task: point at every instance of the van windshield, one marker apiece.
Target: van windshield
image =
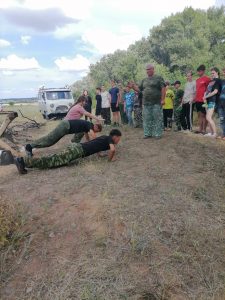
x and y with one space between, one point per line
58 95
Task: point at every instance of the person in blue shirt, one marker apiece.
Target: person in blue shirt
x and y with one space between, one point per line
114 93
129 104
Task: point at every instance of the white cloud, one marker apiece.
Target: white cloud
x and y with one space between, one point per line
4 43
106 41
80 11
78 64
15 63
25 39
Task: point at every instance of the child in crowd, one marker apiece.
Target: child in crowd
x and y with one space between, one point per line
168 107
98 98
210 98
88 103
129 104
179 93
106 113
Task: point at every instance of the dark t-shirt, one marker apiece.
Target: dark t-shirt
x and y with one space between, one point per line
212 86
88 104
114 94
98 101
222 92
97 145
77 126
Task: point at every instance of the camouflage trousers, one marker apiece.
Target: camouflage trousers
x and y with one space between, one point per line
138 121
177 116
77 137
55 135
153 120
62 158
123 115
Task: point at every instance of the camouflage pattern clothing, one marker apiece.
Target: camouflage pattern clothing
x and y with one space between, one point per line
77 137
123 115
153 120
138 121
151 88
53 137
63 158
178 108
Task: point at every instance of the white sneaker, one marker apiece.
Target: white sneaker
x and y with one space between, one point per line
208 134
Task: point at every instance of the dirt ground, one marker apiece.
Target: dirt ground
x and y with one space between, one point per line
149 226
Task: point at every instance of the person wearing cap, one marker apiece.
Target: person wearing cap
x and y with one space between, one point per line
168 107
179 93
153 90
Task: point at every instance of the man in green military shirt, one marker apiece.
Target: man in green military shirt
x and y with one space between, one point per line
154 91
179 93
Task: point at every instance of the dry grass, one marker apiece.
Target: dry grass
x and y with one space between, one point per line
149 226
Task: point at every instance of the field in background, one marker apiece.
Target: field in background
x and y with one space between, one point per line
149 226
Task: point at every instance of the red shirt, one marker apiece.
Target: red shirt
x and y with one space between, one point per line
201 86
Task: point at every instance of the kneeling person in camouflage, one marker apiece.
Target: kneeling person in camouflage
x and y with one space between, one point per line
72 152
78 127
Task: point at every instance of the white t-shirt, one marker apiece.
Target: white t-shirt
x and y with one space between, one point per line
105 99
189 91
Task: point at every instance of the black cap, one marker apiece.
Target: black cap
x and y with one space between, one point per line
177 82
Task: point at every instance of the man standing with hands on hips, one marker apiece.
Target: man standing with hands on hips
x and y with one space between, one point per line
154 91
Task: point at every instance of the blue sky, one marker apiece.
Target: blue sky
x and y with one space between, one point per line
53 42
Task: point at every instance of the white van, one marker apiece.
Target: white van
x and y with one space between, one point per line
54 102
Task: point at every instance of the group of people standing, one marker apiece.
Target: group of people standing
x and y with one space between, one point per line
154 101
156 104
121 102
206 95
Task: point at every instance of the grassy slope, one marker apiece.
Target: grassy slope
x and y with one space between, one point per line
149 226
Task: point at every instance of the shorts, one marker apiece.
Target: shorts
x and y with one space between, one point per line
114 108
200 108
211 105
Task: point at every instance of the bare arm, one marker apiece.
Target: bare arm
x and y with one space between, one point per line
163 95
89 115
87 137
112 152
211 94
91 135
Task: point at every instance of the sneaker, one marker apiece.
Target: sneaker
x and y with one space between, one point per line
28 150
208 134
19 162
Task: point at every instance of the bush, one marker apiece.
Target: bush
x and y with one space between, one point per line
11 103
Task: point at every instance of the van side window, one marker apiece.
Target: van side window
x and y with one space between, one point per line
43 96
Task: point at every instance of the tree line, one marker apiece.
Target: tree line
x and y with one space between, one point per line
181 42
